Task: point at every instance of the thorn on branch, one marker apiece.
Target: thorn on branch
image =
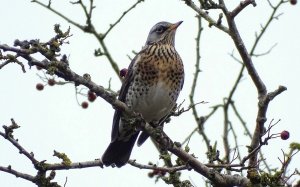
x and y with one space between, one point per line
99 52
49 4
9 129
219 22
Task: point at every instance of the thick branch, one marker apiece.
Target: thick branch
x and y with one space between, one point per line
239 44
63 71
261 119
218 179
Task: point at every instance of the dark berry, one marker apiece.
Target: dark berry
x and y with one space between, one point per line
293 2
150 175
51 82
284 135
39 86
91 96
84 104
123 72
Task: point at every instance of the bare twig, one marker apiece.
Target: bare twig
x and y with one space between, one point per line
8 135
241 6
120 18
201 122
259 84
267 24
14 61
194 84
154 167
59 14
91 29
265 53
204 15
74 165
235 137
225 134
88 13
247 131
17 173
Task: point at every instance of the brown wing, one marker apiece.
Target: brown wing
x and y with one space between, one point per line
122 96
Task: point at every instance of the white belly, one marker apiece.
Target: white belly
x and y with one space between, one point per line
155 104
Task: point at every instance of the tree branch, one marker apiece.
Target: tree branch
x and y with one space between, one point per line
154 167
120 18
204 15
91 29
17 173
241 6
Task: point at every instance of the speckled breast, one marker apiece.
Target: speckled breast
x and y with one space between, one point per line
158 78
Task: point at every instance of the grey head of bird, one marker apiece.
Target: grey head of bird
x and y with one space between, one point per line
163 33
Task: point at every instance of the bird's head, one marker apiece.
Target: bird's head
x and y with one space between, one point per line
163 33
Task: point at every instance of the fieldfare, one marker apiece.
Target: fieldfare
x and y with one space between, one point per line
151 87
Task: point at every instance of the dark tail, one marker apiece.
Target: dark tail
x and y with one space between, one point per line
142 138
118 152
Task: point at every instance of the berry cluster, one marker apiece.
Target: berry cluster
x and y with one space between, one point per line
50 82
91 98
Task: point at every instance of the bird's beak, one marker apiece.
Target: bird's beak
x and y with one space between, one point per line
175 25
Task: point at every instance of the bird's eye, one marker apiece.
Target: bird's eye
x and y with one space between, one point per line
160 29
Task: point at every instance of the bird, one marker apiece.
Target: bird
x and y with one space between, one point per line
150 88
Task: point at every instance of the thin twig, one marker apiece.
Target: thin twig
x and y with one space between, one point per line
154 167
265 53
120 18
193 88
225 134
201 122
204 15
235 137
23 151
238 115
59 14
267 24
91 29
17 173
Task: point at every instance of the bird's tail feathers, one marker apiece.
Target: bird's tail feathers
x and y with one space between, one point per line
142 138
118 152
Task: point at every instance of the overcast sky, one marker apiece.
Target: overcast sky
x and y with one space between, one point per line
52 120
